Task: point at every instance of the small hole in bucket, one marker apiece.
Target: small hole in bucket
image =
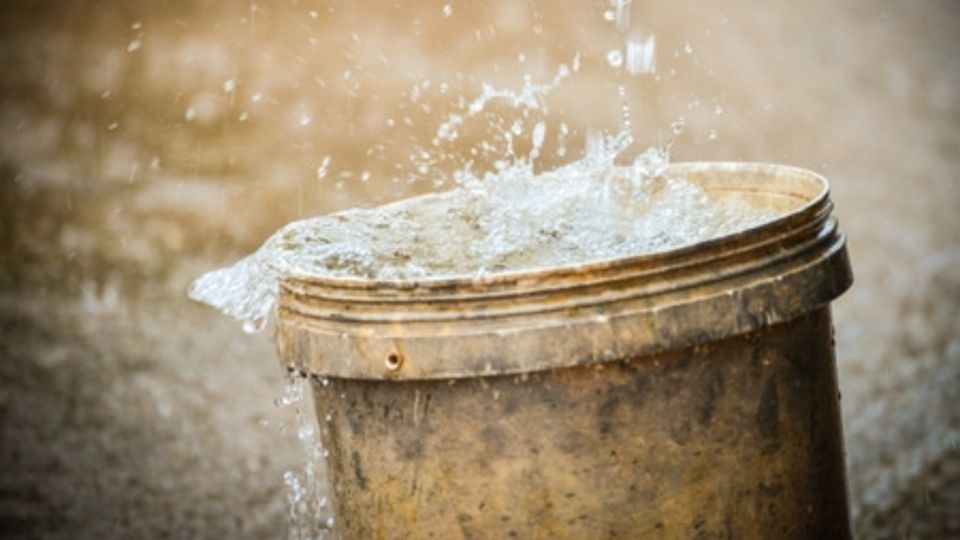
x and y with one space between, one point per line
393 361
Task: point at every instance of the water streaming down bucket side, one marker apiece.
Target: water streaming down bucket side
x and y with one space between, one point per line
309 513
504 220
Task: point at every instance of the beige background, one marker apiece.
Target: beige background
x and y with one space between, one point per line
126 170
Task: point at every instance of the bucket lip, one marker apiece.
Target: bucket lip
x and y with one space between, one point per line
577 315
541 274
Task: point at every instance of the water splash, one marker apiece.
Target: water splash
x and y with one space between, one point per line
620 14
509 218
504 220
530 96
323 168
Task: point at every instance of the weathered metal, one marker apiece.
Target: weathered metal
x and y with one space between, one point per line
687 393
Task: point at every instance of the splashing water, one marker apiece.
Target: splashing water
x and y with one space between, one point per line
507 219
530 97
504 220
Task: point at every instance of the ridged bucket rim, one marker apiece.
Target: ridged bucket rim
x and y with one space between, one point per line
468 281
543 318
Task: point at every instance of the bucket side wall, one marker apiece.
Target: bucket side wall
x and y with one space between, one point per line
617 450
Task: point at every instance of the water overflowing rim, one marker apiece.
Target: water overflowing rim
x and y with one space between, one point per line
465 282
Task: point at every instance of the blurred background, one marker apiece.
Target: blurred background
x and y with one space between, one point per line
144 143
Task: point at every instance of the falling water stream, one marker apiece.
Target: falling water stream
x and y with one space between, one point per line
309 513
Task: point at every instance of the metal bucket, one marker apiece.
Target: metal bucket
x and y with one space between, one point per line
681 394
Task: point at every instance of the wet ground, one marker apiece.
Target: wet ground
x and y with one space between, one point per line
127 411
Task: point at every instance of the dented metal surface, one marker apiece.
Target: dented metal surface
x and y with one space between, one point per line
682 393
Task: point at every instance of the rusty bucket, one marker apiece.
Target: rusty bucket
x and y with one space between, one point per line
689 393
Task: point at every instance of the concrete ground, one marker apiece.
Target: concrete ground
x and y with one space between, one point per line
129 165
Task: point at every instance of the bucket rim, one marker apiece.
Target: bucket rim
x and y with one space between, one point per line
564 316
537 274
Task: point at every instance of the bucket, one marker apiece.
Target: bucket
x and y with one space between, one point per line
686 393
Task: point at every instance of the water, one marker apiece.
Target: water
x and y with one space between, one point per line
507 219
504 220
309 515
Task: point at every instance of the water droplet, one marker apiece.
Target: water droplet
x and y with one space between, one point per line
539 132
712 135
305 432
621 14
252 326
303 118
113 126
133 45
164 409
615 58
136 26
229 85
641 56
256 97
677 125
718 110
447 10
610 15
687 48
190 114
